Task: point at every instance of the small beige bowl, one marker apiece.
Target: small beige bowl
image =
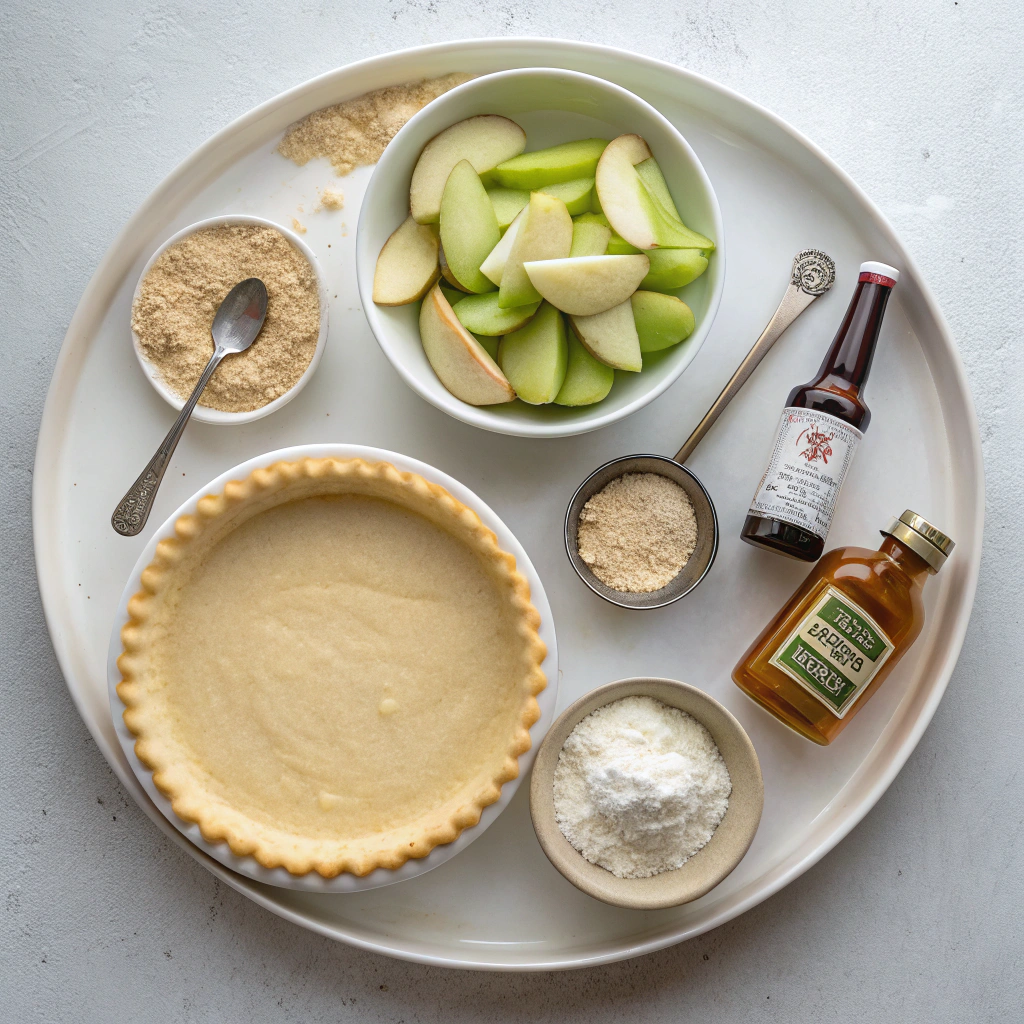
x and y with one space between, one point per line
706 868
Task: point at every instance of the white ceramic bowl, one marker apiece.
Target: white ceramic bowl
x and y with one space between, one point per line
202 412
552 106
546 699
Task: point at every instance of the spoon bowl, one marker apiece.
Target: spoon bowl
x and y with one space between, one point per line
700 561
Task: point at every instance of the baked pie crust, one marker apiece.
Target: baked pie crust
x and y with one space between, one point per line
331 667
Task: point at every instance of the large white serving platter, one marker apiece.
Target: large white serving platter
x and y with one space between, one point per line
500 904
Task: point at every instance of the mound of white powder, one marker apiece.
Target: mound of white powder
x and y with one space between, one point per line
640 787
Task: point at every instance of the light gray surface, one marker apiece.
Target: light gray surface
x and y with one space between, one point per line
912 918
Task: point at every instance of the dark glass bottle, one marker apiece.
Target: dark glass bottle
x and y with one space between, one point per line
820 429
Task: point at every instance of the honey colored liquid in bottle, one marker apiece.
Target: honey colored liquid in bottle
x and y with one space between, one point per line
815 665
821 426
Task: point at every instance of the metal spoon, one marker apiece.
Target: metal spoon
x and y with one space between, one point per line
235 327
813 274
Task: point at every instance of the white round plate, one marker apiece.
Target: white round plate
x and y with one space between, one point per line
500 904
313 882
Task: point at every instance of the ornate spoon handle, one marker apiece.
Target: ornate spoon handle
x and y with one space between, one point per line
813 274
129 518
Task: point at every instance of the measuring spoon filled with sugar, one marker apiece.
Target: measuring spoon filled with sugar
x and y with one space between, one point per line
641 531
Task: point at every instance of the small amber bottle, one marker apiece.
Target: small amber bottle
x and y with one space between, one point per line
815 665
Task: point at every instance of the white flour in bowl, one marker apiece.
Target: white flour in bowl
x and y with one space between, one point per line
640 787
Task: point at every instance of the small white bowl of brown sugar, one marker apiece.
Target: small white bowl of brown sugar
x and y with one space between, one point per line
179 292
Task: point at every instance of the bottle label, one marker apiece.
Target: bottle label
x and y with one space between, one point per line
812 452
834 652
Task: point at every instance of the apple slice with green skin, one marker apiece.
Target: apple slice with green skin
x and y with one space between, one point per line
459 360
587 380
650 174
469 229
446 273
585 285
545 234
632 211
493 267
589 236
611 336
549 166
661 320
484 141
534 358
489 345
407 265
453 295
481 314
672 269
508 203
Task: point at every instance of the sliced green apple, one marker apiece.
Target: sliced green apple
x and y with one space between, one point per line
672 269
493 267
611 336
484 141
508 203
407 265
575 194
545 234
469 229
446 273
489 345
453 295
661 320
650 174
481 314
534 358
460 362
585 285
587 380
589 236
632 211
549 166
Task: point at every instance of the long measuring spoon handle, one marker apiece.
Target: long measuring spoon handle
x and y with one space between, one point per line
813 275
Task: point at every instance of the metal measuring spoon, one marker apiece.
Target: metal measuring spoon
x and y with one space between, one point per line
813 274
235 327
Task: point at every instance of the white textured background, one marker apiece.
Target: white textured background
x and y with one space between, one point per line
914 917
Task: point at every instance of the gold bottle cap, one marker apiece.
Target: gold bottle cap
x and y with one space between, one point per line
921 537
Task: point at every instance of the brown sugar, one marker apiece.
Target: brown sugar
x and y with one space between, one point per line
356 132
179 297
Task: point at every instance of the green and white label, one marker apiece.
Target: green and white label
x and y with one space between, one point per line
834 652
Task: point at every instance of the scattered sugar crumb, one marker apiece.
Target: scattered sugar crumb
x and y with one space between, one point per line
298 226
332 199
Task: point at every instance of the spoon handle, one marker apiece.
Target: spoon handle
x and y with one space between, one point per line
813 275
129 518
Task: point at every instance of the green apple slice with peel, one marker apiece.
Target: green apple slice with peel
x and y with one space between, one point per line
453 295
650 174
589 236
661 320
459 360
469 229
535 357
587 380
545 234
407 265
508 203
611 336
493 267
489 345
484 141
481 314
549 166
672 269
446 273
632 211
585 285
